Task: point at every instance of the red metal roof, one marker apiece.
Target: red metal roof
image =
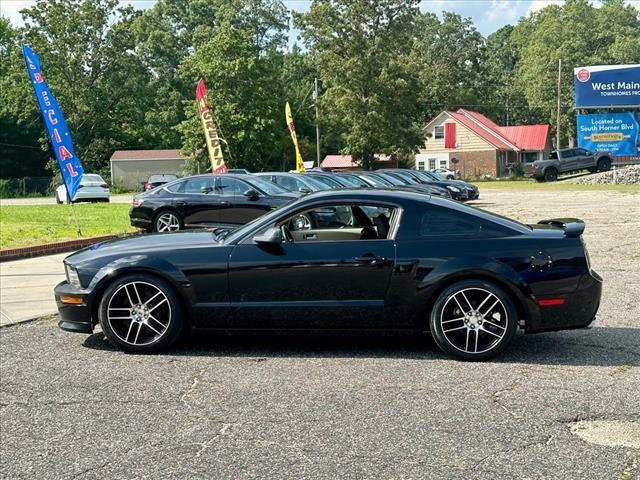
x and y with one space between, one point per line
521 137
147 155
528 137
338 161
496 139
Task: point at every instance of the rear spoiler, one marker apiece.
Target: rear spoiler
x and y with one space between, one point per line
572 227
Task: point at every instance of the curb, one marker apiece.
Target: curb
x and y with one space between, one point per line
9 254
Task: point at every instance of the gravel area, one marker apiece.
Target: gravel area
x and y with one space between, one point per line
623 176
554 405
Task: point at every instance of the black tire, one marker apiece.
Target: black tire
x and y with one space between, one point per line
604 164
58 201
157 219
122 333
550 175
455 341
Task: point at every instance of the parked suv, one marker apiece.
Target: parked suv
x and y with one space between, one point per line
569 160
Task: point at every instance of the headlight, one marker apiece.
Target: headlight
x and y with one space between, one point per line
72 276
451 188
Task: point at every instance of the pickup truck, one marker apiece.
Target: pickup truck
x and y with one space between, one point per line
569 160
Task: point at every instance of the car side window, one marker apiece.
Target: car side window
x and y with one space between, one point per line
441 222
287 182
200 185
341 223
232 186
177 187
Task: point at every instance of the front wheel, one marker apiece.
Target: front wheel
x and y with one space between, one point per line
604 165
473 320
551 175
140 314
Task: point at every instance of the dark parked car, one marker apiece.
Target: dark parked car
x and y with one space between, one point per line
157 180
399 181
294 182
456 192
329 179
473 193
351 260
205 201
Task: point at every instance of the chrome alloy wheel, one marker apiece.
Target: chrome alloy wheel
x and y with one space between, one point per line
474 320
167 222
139 313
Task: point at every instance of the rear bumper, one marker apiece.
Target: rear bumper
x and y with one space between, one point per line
74 317
578 310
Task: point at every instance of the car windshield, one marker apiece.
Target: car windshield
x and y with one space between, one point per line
392 180
238 233
316 184
378 180
329 182
162 178
355 181
266 186
90 177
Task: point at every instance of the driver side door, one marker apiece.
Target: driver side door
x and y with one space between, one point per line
321 278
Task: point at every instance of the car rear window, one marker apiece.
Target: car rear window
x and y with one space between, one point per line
441 222
162 178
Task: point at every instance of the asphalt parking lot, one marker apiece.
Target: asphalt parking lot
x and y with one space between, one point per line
555 405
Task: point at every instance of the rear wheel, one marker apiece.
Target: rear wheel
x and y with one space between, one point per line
473 320
604 164
58 201
140 313
167 221
551 175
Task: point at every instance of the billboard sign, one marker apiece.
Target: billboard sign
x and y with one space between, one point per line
607 86
618 133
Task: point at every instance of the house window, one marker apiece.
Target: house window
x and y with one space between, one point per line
443 164
432 164
420 165
529 157
438 132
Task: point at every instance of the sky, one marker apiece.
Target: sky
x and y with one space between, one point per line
487 15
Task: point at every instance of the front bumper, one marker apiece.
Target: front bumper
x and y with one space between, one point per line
74 317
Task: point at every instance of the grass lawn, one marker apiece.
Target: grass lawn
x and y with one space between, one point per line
27 225
533 185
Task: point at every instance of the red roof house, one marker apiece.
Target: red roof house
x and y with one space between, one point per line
477 146
346 162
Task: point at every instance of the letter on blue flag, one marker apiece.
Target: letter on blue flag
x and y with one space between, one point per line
69 164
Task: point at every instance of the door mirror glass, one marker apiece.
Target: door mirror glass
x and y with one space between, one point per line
304 190
252 194
271 236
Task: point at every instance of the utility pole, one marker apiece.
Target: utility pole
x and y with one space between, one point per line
315 101
558 111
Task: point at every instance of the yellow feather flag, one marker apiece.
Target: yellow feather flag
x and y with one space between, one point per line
292 130
210 131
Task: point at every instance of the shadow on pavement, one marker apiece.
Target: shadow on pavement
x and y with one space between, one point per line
602 346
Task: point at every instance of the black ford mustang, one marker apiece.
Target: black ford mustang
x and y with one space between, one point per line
340 261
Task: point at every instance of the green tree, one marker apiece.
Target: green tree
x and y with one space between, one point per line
371 95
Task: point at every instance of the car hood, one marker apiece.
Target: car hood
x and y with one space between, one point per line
142 244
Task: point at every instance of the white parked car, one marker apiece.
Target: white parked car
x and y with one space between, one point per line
445 173
92 189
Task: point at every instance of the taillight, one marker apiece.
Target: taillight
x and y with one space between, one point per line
534 167
148 186
137 202
104 185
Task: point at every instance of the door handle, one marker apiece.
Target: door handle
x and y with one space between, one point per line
310 236
180 203
371 259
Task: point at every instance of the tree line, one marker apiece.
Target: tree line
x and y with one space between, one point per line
125 79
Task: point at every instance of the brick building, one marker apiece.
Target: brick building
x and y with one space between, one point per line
481 146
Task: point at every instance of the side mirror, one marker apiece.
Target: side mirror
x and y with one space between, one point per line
271 236
304 190
252 194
